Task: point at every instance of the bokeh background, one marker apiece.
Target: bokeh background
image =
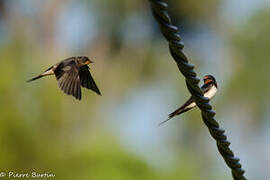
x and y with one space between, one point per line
116 136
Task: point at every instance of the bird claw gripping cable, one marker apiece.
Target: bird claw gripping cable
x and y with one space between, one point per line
170 32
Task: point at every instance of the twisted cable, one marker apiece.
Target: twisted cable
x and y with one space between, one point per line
170 32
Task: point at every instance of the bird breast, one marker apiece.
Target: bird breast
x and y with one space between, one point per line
211 92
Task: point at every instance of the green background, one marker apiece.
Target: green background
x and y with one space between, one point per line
116 136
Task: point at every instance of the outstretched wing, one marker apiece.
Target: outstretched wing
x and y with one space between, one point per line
87 80
68 79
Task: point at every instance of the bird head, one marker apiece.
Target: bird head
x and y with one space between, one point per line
83 60
209 79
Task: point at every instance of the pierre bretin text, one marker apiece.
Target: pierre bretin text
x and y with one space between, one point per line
33 174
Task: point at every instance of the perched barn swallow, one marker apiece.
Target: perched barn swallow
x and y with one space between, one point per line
71 74
209 90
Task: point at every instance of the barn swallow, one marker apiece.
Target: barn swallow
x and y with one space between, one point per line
71 74
209 90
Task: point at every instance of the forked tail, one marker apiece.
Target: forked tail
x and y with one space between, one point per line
174 113
46 73
35 78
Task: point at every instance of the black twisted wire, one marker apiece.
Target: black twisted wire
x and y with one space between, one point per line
170 32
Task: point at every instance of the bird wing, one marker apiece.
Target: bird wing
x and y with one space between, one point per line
185 107
68 79
87 80
189 104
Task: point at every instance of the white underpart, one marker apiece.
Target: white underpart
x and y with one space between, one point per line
209 94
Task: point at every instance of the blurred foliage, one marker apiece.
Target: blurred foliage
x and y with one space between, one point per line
192 10
251 81
44 130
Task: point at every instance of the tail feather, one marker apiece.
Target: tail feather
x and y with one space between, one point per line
46 73
164 121
35 78
174 113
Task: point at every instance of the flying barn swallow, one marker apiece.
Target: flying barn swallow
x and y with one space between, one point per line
71 74
209 90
